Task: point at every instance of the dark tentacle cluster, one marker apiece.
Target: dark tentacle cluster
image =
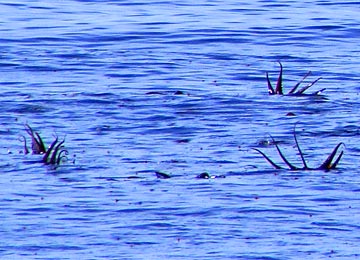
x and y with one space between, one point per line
329 164
37 144
53 155
294 91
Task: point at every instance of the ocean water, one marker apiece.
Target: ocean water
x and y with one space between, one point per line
179 87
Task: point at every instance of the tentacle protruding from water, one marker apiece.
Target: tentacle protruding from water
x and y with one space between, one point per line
62 155
294 90
37 144
54 155
23 139
329 164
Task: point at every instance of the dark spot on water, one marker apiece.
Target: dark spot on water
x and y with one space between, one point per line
180 92
133 177
153 93
203 175
180 141
162 175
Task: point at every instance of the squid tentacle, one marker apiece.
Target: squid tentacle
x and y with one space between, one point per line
298 84
268 159
62 154
328 164
294 91
23 139
37 144
270 88
302 90
53 155
53 158
48 152
292 167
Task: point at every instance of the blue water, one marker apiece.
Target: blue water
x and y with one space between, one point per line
179 87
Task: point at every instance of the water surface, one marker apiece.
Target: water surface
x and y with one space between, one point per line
179 87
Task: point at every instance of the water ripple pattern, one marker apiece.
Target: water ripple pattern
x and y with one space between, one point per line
179 87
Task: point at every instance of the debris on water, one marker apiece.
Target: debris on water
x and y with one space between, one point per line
290 114
206 175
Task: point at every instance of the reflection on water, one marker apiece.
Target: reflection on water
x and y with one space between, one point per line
137 88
